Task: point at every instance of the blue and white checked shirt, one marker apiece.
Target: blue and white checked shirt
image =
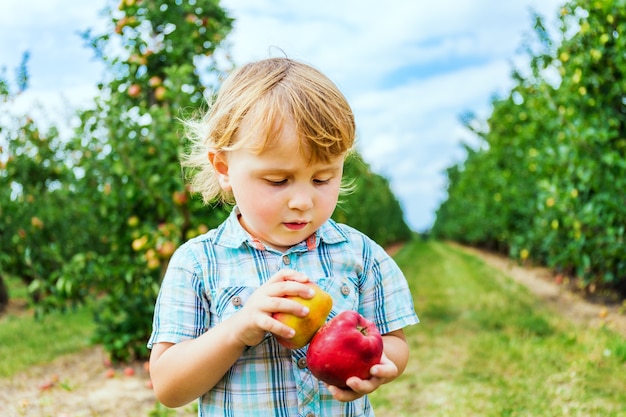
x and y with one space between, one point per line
211 276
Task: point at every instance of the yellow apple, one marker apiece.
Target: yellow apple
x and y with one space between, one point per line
160 92
155 81
139 243
319 308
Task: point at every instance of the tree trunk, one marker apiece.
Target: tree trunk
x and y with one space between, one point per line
4 295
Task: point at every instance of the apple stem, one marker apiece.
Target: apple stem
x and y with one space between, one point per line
362 329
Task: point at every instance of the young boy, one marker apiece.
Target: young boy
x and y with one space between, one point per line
273 143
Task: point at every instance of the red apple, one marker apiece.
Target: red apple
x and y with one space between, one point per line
166 249
347 345
305 327
134 90
180 198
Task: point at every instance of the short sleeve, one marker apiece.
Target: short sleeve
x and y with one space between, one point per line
385 295
182 304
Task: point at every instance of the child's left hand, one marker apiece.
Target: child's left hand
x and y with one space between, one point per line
382 373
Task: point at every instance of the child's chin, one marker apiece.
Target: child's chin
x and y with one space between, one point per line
284 244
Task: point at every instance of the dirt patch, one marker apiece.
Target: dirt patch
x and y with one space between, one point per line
84 385
393 249
80 385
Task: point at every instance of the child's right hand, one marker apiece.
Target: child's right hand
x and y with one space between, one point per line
255 318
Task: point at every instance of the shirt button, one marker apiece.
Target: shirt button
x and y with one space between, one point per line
286 260
310 415
236 301
302 363
345 290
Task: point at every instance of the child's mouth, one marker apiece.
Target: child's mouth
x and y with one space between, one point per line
295 225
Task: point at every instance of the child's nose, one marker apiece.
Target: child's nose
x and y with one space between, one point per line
301 199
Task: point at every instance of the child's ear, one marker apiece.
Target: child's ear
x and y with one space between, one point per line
220 165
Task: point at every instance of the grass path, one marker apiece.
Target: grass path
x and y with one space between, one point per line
487 347
42 340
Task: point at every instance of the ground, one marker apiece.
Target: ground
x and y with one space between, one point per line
84 385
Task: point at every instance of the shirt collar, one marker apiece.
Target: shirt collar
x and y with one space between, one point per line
231 234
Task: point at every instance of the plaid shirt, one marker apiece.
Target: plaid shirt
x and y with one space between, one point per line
211 276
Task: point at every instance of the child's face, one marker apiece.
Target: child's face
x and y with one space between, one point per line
282 198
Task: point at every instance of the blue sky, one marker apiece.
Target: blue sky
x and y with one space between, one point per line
410 68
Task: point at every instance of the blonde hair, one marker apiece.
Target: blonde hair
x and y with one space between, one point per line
264 94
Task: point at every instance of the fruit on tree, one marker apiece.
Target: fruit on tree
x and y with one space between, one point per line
134 90
160 92
130 21
319 308
347 345
36 222
155 81
180 198
133 221
166 249
139 243
138 59
152 259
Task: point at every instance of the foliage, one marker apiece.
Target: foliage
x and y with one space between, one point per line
548 182
371 206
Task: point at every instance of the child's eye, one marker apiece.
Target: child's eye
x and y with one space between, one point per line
276 182
321 181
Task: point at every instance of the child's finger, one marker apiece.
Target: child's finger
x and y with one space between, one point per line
344 395
288 288
288 275
269 324
286 305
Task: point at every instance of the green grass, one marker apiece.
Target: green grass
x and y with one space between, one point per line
487 347
26 341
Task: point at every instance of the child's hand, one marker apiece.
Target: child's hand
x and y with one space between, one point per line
382 373
255 318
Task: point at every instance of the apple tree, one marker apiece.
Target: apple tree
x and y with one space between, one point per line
548 182
159 59
40 233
